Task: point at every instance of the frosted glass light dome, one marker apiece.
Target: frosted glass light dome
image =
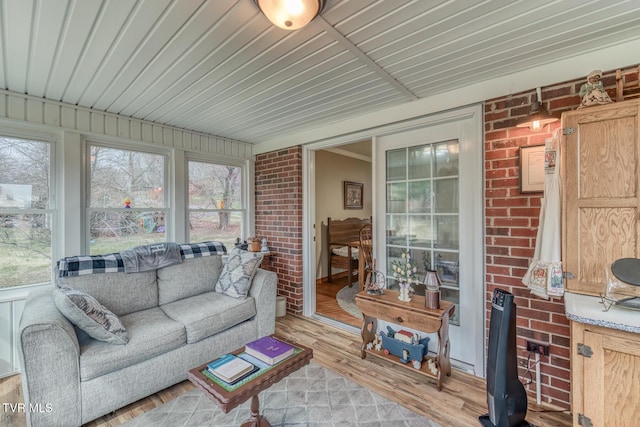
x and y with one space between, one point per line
290 14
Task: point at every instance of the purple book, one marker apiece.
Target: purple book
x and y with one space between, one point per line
269 350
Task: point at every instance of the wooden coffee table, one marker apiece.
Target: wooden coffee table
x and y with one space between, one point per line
229 399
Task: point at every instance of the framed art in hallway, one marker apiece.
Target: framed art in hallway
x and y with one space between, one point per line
352 195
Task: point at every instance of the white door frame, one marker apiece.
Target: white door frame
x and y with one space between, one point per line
471 142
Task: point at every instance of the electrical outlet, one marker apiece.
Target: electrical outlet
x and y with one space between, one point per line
538 347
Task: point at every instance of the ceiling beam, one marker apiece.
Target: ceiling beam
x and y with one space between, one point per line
345 43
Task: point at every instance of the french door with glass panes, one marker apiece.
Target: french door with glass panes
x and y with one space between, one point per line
433 214
423 215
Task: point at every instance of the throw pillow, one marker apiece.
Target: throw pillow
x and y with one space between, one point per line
237 273
85 312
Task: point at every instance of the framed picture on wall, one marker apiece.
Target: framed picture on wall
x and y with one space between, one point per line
532 169
353 195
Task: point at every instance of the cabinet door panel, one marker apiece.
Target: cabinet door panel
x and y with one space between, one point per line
607 155
612 381
606 234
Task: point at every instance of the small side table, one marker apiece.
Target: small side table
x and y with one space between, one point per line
266 259
414 315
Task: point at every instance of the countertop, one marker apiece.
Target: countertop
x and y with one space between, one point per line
589 309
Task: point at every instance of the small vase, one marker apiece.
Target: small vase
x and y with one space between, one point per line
404 292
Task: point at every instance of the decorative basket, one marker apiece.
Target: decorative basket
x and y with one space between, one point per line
254 246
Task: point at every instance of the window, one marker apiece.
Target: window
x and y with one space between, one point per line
216 210
26 211
422 212
127 198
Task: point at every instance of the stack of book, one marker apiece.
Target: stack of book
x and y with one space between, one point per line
270 350
230 368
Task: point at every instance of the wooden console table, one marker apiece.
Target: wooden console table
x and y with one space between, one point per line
413 315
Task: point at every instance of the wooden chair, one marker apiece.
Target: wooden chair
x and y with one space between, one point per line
340 235
366 246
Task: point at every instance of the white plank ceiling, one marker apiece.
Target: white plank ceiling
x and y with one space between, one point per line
219 67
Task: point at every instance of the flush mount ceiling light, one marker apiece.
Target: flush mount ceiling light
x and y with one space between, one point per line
290 14
538 117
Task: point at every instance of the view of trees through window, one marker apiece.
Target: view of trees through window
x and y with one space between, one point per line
25 214
215 202
127 200
127 204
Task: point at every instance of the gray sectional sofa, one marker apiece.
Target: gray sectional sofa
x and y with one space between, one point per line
174 318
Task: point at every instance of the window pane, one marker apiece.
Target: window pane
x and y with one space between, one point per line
397 230
204 226
447 158
396 165
446 191
113 231
420 196
121 178
215 203
25 249
420 232
214 186
422 260
447 266
452 295
25 238
397 197
24 174
447 232
420 162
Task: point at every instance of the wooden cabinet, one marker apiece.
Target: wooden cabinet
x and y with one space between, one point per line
413 315
601 204
601 223
605 376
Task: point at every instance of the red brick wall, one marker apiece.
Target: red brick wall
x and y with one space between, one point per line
278 207
511 226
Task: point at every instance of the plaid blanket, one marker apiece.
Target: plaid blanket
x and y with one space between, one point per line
113 263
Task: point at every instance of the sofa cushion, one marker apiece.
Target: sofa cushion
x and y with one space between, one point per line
121 293
193 277
85 312
237 273
209 313
151 333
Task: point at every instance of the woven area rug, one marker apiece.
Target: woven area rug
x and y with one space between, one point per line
346 298
312 396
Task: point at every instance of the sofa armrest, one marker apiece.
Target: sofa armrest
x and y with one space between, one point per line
263 290
49 356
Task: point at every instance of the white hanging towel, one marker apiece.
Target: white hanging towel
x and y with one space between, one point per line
544 276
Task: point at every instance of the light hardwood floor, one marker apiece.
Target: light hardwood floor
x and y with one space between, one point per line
461 401
326 304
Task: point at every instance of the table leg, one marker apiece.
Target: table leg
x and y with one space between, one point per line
444 363
368 332
256 419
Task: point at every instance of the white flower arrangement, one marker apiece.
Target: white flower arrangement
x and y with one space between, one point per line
404 271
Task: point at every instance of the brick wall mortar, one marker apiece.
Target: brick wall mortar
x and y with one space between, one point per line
511 223
278 207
